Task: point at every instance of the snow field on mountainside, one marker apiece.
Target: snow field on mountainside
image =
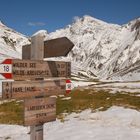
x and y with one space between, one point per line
103 49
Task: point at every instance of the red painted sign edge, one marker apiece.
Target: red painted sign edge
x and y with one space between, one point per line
7 75
7 61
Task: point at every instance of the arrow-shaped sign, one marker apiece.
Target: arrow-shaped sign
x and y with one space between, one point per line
30 69
52 48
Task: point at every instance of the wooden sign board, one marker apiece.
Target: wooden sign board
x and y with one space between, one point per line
40 110
31 69
28 89
52 48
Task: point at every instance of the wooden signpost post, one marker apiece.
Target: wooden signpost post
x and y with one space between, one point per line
36 131
35 85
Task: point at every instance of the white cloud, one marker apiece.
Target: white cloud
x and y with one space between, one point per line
36 24
76 18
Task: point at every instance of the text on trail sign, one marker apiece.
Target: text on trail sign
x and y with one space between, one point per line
26 89
30 69
39 111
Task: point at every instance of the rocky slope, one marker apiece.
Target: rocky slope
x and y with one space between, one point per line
102 50
11 42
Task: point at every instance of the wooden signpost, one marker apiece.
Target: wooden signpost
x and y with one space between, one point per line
33 70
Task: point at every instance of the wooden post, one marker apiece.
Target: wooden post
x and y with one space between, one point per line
37 47
37 53
36 132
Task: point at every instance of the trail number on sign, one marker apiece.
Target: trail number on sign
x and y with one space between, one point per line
6 68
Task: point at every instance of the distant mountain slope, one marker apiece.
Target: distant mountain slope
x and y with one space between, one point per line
101 51
104 50
11 42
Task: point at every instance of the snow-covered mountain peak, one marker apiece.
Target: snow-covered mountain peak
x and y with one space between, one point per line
102 49
88 22
91 19
11 42
135 24
1 24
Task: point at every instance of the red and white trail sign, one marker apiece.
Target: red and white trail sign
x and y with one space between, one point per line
68 86
6 68
31 69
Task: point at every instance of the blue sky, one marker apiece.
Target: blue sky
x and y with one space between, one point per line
29 16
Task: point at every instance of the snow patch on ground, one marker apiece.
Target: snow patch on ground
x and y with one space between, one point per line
81 83
117 123
129 87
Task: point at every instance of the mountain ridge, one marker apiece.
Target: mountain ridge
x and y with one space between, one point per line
106 44
102 50
11 42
